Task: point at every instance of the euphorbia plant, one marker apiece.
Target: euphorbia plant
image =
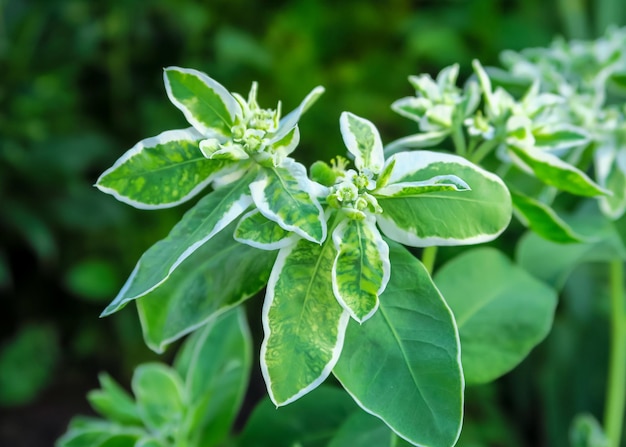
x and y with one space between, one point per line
343 294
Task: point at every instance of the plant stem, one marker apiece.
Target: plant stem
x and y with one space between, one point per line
616 383
428 258
483 150
459 141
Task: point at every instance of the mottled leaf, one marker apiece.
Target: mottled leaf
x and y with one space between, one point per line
258 231
363 141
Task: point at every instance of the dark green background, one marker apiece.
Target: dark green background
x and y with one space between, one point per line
81 82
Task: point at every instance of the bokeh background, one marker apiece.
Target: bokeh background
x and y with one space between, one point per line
81 82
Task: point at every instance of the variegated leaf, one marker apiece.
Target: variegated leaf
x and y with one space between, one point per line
287 144
285 195
256 230
161 171
209 216
419 140
444 217
361 269
411 107
217 276
555 172
304 324
206 104
363 141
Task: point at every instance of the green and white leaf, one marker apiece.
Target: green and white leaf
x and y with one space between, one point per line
414 189
215 363
443 217
290 120
411 107
285 195
555 172
610 163
258 231
221 274
560 136
303 323
206 104
207 218
361 269
287 144
363 141
417 141
161 171
543 220
404 364
161 397
501 316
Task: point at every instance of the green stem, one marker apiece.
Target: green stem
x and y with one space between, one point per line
459 140
483 150
428 258
616 383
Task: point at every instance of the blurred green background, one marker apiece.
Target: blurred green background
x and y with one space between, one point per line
81 82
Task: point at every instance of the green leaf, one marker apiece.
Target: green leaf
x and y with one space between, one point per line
444 217
309 422
206 104
553 262
161 397
364 430
363 141
285 195
543 220
404 364
27 363
415 189
287 144
587 432
219 275
215 363
361 269
207 218
610 164
555 172
99 433
161 171
257 231
302 321
93 279
501 315
150 442
113 402
411 107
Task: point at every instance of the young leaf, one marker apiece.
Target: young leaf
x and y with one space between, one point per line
160 395
100 434
542 219
219 275
160 172
411 107
215 364
404 364
207 218
285 195
257 231
206 104
113 402
501 316
419 140
290 120
361 269
302 321
414 189
555 172
560 136
443 217
363 141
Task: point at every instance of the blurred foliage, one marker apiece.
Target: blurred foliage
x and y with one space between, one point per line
80 83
